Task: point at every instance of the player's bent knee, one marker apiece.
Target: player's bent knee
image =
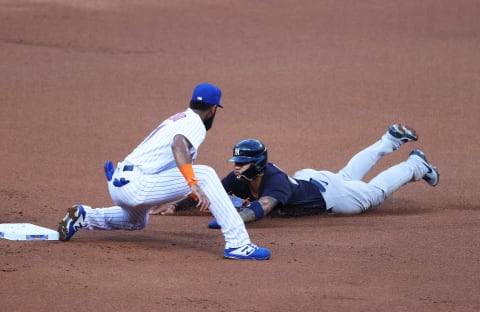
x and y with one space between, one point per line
203 171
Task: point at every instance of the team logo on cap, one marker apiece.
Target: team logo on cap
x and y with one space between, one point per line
199 98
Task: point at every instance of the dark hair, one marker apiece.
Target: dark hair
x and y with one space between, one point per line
194 104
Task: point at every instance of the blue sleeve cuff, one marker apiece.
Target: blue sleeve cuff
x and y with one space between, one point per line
257 209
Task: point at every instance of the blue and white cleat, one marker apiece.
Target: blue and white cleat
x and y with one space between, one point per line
247 252
432 176
72 222
214 224
403 133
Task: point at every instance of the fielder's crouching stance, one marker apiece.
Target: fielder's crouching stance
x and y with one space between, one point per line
160 170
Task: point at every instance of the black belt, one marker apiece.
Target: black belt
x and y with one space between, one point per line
128 168
322 189
319 185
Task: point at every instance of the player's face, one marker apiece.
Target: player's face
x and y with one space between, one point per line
239 168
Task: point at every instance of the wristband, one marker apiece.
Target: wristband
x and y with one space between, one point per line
187 172
192 182
257 209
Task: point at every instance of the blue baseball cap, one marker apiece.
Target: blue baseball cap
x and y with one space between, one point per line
207 93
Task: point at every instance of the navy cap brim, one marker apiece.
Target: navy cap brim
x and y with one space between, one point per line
241 159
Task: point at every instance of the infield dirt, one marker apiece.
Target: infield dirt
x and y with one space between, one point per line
83 82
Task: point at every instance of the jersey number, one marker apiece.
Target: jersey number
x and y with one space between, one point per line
172 118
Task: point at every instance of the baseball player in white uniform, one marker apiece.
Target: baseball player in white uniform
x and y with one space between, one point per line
160 170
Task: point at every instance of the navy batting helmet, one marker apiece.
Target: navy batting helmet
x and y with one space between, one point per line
250 151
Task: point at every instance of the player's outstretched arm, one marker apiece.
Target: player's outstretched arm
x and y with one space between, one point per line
181 152
257 209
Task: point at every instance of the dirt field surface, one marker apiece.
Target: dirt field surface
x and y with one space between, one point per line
85 81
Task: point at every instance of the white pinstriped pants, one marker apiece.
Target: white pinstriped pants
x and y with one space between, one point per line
134 200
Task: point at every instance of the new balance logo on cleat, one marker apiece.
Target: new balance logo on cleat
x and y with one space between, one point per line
248 250
76 227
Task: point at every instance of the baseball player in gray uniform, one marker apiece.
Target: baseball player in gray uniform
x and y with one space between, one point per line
160 169
270 190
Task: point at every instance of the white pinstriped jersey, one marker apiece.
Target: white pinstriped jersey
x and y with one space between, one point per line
155 180
154 154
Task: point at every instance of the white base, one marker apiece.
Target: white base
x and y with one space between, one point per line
26 231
